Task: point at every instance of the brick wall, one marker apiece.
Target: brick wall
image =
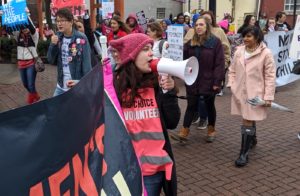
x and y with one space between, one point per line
271 7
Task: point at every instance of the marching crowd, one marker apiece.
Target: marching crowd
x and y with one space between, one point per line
74 49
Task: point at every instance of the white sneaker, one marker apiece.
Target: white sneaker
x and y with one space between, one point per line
202 124
220 94
196 120
298 135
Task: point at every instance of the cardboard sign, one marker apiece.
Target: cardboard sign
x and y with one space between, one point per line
141 18
175 40
295 46
279 42
108 7
14 13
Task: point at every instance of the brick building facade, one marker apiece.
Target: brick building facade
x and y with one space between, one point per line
271 7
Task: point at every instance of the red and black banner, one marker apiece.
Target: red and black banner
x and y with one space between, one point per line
72 144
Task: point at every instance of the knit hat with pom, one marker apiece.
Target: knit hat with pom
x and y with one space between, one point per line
130 46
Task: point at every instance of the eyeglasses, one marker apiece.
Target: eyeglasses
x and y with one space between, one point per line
61 21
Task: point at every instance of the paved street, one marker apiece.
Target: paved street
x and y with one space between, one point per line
208 169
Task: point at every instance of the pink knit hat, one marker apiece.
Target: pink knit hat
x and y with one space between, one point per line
130 45
224 24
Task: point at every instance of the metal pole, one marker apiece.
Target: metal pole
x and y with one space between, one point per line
189 6
258 9
295 9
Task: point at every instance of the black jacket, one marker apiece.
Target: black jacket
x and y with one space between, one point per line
170 116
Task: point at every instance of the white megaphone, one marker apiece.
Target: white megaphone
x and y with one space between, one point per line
186 70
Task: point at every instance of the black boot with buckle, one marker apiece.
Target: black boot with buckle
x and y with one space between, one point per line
247 139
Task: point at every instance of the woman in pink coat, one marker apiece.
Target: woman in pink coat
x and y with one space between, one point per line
251 74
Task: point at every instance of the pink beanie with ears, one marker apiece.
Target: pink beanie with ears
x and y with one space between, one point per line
224 24
130 46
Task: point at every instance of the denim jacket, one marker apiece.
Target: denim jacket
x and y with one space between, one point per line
81 59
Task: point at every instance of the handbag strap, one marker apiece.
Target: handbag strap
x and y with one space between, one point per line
30 53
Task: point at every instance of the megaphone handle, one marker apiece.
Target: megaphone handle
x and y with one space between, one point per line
163 76
103 43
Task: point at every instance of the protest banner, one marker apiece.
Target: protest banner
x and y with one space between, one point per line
108 8
279 43
141 18
175 41
14 13
75 6
235 40
72 144
295 46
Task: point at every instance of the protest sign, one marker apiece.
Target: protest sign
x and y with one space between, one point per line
279 42
76 6
295 46
235 40
141 18
14 13
175 40
108 8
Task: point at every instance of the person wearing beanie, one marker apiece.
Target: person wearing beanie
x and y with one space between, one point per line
224 25
148 112
133 25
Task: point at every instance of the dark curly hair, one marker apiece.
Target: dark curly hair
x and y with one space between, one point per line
129 79
255 31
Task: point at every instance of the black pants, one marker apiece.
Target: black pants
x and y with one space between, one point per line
192 105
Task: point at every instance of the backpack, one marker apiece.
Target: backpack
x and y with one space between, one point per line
161 44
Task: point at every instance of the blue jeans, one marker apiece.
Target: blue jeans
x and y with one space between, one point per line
28 76
58 91
154 183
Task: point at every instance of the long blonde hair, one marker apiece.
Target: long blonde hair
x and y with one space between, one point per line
200 40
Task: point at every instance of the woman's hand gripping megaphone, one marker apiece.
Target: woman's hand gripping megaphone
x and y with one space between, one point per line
166 82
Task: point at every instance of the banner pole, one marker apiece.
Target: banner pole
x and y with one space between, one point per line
295 9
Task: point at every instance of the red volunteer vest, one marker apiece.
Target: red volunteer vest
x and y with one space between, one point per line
145 129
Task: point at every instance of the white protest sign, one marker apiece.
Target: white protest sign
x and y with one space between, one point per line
108 7
295 46
279 42
175 41
141 17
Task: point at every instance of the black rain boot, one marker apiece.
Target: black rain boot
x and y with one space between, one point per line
254 141
247 139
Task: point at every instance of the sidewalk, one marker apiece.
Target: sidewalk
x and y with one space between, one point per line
208 169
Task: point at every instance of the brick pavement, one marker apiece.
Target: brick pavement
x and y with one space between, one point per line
208 169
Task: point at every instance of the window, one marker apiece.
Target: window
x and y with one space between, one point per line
161 13
289 5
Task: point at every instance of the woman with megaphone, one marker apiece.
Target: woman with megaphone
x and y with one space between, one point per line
148 112
208 49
